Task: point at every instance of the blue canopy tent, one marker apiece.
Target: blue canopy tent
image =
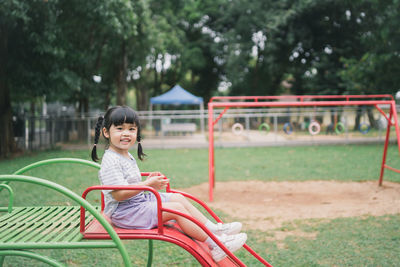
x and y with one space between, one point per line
179 96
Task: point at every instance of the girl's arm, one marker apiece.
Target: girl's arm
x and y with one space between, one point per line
158 182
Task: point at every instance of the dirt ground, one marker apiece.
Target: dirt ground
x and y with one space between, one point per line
268 205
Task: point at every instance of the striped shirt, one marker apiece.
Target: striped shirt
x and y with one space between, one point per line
118 170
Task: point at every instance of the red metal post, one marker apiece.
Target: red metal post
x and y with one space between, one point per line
396 123
389 125
210 151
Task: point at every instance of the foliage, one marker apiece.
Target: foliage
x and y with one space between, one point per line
375 69
326 47
254 47
29 35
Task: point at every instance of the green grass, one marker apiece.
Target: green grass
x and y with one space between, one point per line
346 163
362 241
358 241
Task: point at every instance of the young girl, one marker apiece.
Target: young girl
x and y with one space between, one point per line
133 208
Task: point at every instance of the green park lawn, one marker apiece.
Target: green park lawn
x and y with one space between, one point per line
356 241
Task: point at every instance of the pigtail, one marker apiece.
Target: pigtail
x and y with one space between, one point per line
140 153
97 130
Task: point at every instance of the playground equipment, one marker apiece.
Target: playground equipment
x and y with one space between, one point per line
228 102
23 229
314 128
339 128
237 129
364 127
288 128
264 127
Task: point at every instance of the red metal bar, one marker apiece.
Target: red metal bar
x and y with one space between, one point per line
300 104
209 233
385 147
258 257
210 151
396 123
220 116
103 204
392 169
204 205
301 98
383 113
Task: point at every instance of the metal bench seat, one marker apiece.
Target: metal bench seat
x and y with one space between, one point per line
23 229
43 227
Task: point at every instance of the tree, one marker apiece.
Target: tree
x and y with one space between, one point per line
100 39
180 50
160 42
27 58
376 68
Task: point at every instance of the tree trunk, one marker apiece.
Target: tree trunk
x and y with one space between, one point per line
157 89
121 77
107 101
7 142
142 97
161 78
32 128
83 109
371 118
358 118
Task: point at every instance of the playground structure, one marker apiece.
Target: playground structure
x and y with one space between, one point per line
71 227
377 101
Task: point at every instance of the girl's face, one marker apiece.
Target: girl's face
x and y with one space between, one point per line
121 137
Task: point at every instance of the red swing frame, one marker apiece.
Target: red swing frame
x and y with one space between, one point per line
227 102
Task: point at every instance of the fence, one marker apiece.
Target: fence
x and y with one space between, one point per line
244 126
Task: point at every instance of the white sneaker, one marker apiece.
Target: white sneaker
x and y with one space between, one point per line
231 242
228 228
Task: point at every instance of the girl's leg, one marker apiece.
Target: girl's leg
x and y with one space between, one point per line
189 227
218 229
233 242
189 207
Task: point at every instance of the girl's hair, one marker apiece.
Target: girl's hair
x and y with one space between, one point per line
116 116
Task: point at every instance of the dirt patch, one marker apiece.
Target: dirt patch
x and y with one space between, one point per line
268 205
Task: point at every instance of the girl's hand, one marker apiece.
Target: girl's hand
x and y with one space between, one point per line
157 181
154 174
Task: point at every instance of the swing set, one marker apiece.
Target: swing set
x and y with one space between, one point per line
377 101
